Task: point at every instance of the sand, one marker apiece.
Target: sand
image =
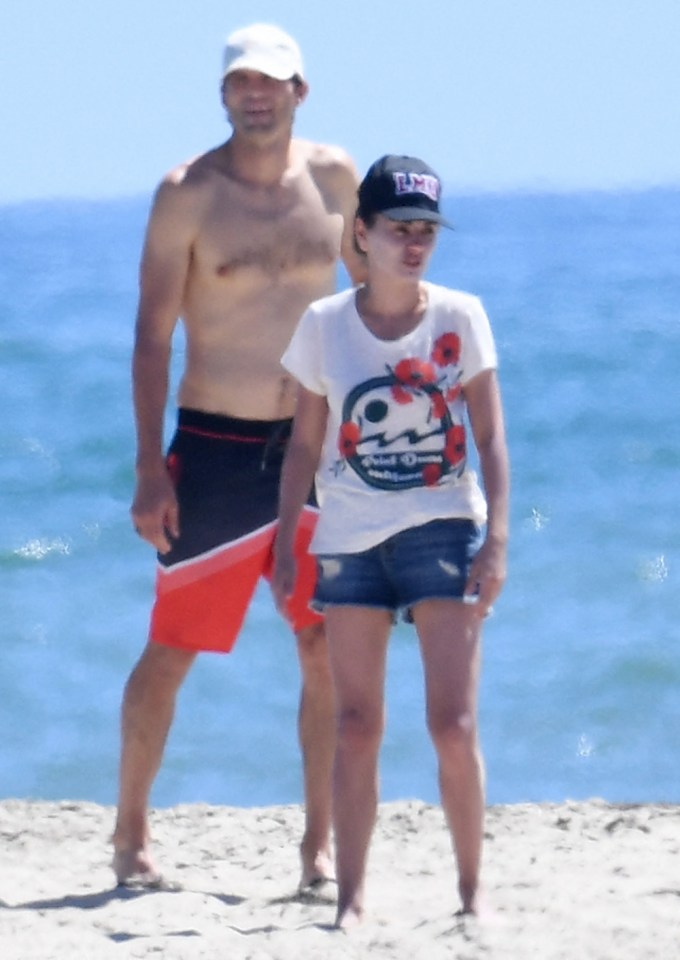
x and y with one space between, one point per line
573 881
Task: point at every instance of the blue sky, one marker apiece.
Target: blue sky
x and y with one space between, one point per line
101 97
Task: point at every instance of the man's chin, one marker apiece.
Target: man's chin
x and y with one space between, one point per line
261 135
259 120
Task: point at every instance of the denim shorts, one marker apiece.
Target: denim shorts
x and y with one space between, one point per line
420 563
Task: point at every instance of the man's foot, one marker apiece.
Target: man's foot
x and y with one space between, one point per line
135 870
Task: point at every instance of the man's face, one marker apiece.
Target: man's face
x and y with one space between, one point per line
259 105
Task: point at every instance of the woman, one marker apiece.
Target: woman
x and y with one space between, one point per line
389 374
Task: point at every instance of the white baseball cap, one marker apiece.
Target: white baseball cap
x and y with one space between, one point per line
265 48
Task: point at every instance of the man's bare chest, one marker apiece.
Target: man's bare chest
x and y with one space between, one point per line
282 239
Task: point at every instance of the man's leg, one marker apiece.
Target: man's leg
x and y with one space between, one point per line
316 729
147 713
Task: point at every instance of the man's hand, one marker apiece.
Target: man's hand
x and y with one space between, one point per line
283 580
154 511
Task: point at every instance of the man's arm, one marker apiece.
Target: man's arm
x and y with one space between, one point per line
163 275
354 261
339 182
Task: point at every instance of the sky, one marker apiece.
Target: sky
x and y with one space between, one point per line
99 98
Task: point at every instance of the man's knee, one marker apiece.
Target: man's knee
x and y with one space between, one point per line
159 670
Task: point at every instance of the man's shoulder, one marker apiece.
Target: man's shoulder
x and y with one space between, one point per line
188 189
323 154
327 162
194 172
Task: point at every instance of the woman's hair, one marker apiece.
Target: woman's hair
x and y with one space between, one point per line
369 219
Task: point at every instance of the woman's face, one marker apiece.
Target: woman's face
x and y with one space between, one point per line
398 247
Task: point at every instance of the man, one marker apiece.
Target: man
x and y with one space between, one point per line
239 241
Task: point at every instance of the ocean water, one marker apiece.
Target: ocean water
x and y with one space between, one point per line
580 693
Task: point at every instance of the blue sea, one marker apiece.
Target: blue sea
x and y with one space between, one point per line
580 692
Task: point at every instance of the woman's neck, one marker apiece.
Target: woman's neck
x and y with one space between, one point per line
391 312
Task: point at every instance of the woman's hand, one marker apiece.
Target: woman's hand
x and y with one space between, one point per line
487 575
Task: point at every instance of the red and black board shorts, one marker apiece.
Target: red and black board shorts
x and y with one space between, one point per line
226 474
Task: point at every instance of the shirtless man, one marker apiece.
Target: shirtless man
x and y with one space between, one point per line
239 242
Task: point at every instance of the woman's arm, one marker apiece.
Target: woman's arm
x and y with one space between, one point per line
297 476
488 571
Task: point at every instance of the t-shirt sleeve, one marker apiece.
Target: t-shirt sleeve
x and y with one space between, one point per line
302 357
478 350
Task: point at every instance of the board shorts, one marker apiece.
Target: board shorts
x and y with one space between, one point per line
226 474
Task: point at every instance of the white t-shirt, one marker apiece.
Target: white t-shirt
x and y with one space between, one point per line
394 452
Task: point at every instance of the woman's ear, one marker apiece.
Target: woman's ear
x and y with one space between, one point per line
360 231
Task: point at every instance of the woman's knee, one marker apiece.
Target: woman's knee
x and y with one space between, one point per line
359 729
312 648
453 733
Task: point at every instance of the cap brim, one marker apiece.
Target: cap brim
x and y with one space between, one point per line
405 214
260 64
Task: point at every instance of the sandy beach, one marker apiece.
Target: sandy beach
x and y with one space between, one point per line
585 880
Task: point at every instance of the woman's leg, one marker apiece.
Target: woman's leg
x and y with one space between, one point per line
449 633
357 638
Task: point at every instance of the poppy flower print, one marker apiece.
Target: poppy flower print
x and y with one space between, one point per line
398 430
431 474
454 448
446 350
439 405
401 394
349 437
415 373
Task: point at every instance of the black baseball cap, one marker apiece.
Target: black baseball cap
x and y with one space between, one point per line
401 188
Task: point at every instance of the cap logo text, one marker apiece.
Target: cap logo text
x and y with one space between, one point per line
423 183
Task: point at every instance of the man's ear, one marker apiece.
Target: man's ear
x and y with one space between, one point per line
301 91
